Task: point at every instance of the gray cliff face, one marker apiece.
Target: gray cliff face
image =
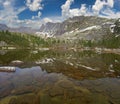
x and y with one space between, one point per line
50 28
74 26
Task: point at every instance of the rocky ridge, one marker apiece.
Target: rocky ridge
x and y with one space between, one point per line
81 27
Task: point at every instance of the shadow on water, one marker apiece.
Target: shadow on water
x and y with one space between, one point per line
60 77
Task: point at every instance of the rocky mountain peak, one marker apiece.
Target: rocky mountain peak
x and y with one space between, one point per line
71 24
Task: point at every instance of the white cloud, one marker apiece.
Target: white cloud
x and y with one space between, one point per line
36 21
66 8
73 12
31 23
108 13
100 7
6 3
97 7
105 9
9 14
46 20
38 16
83 9
67 12
110 3
34 5
55 19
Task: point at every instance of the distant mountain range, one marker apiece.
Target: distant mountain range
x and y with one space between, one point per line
27 30
79 27
3 27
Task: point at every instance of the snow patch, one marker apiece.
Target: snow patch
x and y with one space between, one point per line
90 28
45 61
44 35
75 31
89 68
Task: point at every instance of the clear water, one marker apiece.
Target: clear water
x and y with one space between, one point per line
60 77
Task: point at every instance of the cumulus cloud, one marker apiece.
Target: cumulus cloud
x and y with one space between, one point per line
67 12
6 3
8 13
110 3
108 13
97 7
34 5
78 11
83 9
38 16
46 20
66 8
35 24
100 7
105 9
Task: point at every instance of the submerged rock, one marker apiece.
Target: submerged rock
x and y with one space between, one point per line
5 89
25 99
24 90
66 84
56 91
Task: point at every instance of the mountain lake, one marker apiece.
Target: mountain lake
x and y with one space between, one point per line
59 77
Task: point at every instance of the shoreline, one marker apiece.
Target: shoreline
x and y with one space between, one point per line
95 49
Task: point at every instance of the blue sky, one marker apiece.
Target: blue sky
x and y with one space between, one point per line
33 13
53 7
